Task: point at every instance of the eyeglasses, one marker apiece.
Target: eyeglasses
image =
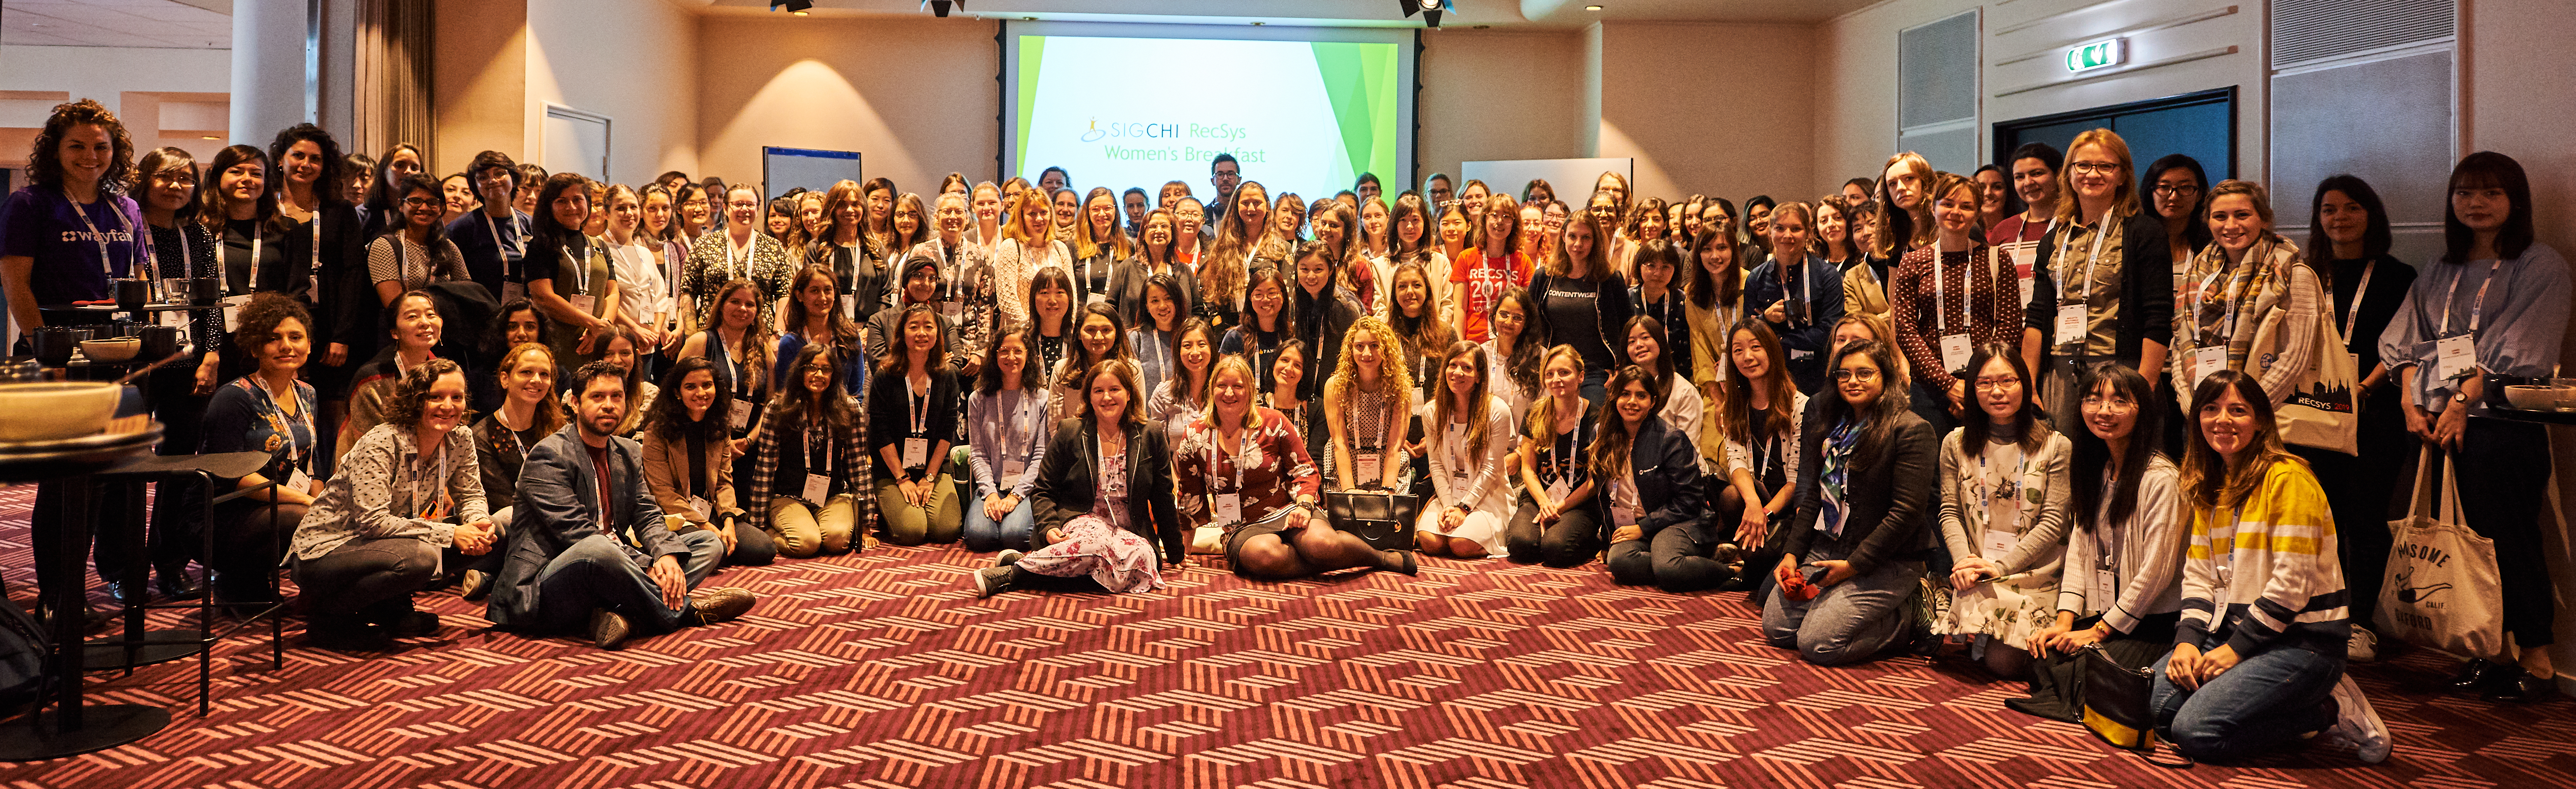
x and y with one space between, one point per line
2116 405
2094 167
1860 374
1992 384
422 202
2176 189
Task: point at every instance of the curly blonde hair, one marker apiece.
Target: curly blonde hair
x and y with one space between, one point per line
1391 345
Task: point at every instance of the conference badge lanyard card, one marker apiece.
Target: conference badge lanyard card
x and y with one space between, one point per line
916 445
818 487
2071 318
1956 349
2455 353
580 297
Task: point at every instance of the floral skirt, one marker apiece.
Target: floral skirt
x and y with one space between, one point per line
2009 612
1118 559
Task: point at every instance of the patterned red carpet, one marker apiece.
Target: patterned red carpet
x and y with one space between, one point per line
881 671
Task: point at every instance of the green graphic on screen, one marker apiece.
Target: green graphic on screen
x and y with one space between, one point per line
1302 116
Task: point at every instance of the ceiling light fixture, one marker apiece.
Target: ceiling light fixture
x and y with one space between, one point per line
940 8
1430 10
1592 8
796 7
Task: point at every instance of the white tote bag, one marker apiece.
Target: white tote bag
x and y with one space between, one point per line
2322 410
2441 590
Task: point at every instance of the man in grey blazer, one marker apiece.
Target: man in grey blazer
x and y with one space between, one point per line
615 569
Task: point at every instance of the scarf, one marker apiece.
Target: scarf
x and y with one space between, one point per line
1835 477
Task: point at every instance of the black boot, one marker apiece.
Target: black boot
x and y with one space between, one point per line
2474 676
2512 685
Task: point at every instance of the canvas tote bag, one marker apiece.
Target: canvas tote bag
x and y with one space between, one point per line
2441 590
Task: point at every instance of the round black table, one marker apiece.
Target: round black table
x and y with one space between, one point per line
73 727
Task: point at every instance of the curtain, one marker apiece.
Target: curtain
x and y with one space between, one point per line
393 79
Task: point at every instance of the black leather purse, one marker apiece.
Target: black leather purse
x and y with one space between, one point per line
1383 519
2115 700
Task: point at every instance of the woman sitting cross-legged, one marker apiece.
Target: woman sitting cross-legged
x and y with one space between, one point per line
2004 514
806 465
1104 497
1659 528
912 417
1007 435
1245 468
1853 554
406 490
688 461
2258 654
1468 439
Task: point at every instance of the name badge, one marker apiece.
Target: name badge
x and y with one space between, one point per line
2070 323
2222 553
952 309
916 452
1996 544
2455 356
232 311
2109 583
1364 467
702 507
1229 509
1012 468
513 290
1623 516
582 303
298 480
1956 350
738 415
2206 362
1557 491
818 489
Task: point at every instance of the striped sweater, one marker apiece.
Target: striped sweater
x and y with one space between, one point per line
2286 585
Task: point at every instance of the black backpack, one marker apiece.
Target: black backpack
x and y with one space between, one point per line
23 645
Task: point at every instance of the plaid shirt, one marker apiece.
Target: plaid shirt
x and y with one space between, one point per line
855 470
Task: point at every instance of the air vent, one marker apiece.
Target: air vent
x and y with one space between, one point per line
2310 30
2405 103
1936 66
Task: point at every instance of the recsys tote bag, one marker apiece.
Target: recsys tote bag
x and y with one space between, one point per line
2441 590
2320 411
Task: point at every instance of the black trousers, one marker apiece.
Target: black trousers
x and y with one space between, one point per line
2504 471
1677 559
1571 541
2364 491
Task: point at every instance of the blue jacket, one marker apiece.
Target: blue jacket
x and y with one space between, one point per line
1820 286
557 506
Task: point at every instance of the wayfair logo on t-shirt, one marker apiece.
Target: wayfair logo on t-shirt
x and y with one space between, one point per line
94 236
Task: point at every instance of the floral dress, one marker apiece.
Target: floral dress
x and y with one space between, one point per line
1098 544
2004 494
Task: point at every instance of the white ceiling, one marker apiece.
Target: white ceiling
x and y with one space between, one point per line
115 23
1525 14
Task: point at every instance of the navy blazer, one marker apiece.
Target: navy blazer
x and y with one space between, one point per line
1805 338
557 505
1670 489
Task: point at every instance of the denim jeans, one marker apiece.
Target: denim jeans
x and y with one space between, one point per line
2268 699
1678 559
1851 621
985 535
596 573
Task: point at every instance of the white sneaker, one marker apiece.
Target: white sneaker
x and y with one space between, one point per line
2364 646
2356 726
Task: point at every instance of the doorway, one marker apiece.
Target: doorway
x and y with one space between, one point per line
2201 125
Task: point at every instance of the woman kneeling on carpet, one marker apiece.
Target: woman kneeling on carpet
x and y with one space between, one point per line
2258 657
1659 529
2003 514
1244 468
1852 556
1104 495
407 489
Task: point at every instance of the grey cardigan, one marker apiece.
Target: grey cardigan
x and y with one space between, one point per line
2146 554
2042 547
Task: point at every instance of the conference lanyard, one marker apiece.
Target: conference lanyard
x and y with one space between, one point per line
919 405
1806 285
2474 308
733 265
2093 260
1941 303
252 285
581 276
316 271
423 504
2353 316
2200 297
818 461
277 425
518 239
104 268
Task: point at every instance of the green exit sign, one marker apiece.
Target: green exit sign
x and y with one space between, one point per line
2099 54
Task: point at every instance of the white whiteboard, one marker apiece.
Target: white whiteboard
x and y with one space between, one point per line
576 142
1572 177
782 169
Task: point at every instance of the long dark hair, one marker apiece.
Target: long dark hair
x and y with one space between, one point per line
2195 225
2093 455
1663 347
898 352
1708 291
400 219
669 418
2486 169
795 402
1054 276
1521 367
1611 440
1078 358
334 178
1735 410
381 190
2376 237
549 234
1972 430
1891 403
1031 380
842 329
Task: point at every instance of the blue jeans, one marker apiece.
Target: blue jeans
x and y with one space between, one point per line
596 573
1852 621
985 535
2267 700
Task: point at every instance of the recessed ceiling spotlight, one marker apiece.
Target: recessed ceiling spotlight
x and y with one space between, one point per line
796 7
1592 8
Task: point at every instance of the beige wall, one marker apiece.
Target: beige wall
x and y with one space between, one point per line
1537 77
1717 109
916 98
479 88
631 60
1855 62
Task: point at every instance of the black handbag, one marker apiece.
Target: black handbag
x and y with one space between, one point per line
1383 519
2116 700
